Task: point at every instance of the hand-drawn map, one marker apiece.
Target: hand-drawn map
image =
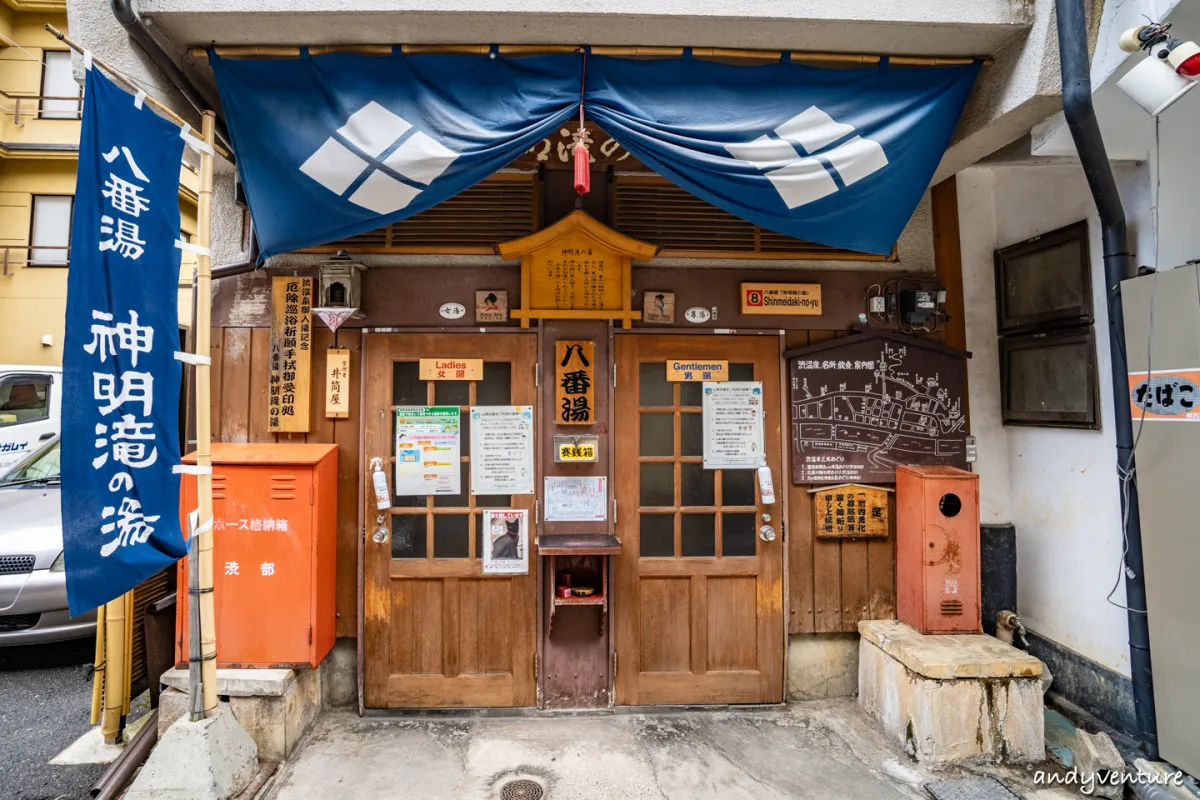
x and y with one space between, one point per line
863 404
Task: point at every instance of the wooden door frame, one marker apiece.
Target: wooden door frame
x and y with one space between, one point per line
366 491
782 482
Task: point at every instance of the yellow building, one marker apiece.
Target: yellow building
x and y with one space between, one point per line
40 106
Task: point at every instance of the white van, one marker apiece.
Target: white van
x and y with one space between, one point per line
30 410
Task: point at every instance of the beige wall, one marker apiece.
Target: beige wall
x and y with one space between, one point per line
21 74
33 299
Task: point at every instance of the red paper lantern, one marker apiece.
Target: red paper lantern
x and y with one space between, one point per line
583 169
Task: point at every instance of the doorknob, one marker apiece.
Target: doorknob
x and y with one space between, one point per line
380 536
766 533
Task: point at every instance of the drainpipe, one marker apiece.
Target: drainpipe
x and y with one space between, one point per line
1118 265
136 28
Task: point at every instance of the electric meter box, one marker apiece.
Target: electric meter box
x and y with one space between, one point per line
937 549
917 306
274 554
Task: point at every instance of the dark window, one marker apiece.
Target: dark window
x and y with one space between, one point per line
1047 342
24 398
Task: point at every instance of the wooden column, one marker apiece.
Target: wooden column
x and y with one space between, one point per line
947 259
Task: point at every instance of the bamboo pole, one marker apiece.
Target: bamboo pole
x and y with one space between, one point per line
127 654
129 83
98 672
114 658
292 51
204 543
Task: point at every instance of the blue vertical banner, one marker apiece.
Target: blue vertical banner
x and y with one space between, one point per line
121 382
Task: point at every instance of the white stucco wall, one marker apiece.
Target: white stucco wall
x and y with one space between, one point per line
1058 487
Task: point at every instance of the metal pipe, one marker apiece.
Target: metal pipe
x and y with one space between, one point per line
129 19
128 760
1118 265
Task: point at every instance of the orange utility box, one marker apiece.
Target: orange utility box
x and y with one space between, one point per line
937 549
274 553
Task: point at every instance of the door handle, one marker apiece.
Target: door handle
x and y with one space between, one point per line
46 435
766 533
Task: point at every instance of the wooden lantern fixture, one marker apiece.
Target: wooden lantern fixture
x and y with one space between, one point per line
341 285
578 268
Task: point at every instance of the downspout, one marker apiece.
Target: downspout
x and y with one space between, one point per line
136 29
1118 265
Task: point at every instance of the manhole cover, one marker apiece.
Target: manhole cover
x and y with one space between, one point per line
522 789
970 789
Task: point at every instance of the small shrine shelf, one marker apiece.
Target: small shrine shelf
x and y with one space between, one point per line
600 545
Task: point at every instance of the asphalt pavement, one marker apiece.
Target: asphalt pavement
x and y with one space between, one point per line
45 700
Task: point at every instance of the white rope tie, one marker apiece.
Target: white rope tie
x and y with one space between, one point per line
199 145
193 358
191 469
198 249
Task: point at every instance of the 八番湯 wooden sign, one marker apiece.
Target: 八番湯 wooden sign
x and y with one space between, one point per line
577 268
291 354
574 376
850 510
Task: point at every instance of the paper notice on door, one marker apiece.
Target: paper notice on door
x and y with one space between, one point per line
428 450
502 450
574 499
733 425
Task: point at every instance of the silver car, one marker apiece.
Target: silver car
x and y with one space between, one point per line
33 586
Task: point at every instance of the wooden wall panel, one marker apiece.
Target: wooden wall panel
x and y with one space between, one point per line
257 403
832 584
345 434
216 381
240 379
235 387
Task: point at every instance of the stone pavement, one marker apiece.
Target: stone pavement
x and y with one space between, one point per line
825 750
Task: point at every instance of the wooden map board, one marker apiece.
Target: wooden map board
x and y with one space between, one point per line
577 268
863 404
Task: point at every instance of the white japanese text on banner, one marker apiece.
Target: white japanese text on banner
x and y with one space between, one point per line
121 382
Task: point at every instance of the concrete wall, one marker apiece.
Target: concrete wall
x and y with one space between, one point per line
1058 487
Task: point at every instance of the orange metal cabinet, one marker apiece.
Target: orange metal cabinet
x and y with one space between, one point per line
937 549
274 553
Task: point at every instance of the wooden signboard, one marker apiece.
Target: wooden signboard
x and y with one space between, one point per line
850 510
337 384
451 369
863 404
577 268
803 299
574 376
680 370
291 354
